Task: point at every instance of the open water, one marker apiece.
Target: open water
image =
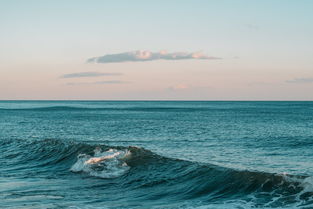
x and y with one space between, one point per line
159 154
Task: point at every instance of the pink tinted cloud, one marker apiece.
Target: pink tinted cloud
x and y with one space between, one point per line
143 55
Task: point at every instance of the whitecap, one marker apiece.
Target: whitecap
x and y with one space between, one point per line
103 164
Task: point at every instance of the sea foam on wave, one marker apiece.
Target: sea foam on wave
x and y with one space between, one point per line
103 164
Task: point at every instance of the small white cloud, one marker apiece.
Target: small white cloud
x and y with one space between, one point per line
178 87
98 82
252 26
300 80
141 55
88 74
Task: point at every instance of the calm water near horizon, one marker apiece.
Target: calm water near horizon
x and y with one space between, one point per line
161 154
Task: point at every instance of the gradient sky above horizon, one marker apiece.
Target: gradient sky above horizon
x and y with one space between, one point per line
265 47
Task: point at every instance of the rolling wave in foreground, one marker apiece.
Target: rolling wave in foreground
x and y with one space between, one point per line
134 173
195 155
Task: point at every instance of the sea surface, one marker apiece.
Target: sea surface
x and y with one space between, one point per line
156 154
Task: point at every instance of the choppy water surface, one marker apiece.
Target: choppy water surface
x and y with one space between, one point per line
72 154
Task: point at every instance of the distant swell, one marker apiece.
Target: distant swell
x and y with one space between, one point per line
72 108
136 170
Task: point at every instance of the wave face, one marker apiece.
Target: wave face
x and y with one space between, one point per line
133 175
110 154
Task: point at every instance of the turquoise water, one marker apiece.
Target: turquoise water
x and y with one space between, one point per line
159 154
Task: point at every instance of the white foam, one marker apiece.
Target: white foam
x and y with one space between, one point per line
307 184
107 164
238 204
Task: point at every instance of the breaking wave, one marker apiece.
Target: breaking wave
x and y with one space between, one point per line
136 169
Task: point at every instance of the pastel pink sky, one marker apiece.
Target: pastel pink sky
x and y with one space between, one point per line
174 50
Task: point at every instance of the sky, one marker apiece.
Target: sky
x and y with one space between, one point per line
156 50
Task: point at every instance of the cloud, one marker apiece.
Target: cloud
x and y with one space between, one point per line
98 82
88 74
110 82
300 80
259 83
140 56
178 87
252 26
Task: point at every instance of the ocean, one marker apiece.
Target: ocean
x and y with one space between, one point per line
156 154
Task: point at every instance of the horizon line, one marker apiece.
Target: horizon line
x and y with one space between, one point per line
146 100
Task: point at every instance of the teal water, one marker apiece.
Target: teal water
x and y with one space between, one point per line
160 154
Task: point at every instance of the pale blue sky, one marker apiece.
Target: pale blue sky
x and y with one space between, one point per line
263 45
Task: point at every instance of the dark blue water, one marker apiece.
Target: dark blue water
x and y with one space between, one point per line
87 154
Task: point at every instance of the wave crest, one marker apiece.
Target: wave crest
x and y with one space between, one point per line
103 164
140 170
